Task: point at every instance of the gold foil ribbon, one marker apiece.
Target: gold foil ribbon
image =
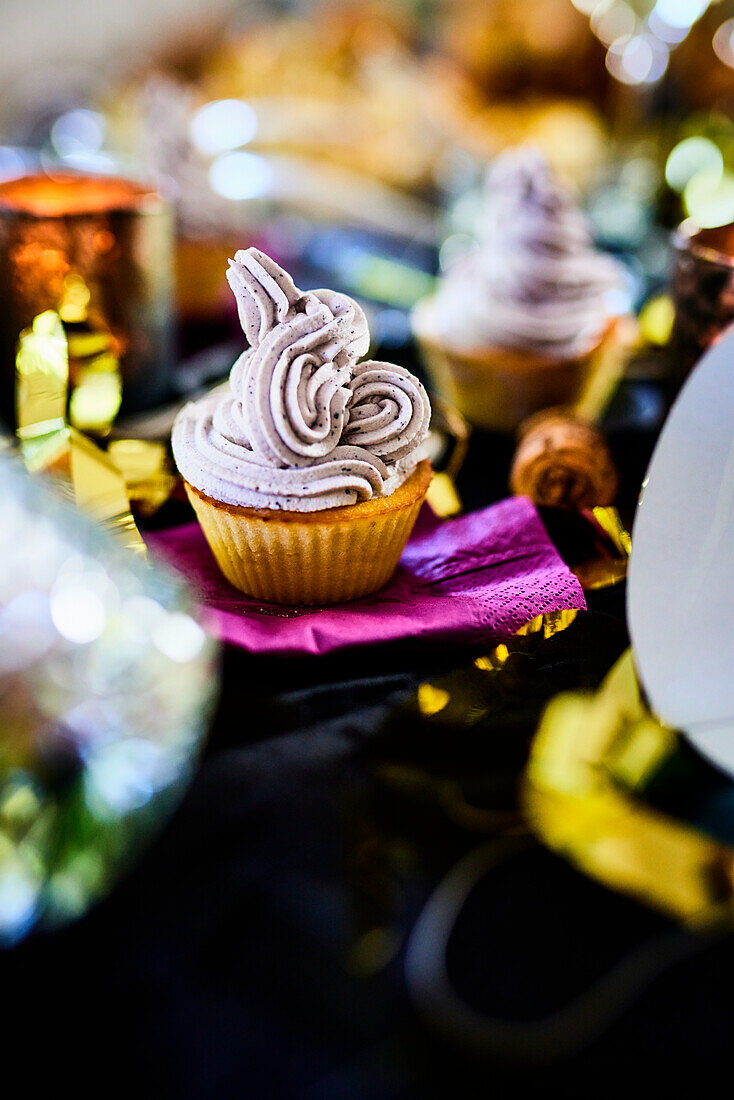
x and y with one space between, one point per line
583 793
604 570
96 481
609 370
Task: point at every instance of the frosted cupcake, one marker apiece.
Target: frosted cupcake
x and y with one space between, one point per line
307 476
517 324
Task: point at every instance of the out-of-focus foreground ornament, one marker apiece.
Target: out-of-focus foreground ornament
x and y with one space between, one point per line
591 764
106 683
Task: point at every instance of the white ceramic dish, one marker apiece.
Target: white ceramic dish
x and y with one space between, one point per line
680 598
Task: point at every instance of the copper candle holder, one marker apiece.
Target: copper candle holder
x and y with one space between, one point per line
703 292
98 251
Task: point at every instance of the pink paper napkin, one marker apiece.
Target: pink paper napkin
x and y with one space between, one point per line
474 579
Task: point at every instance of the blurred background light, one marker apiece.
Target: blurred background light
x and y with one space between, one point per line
241 176
588 6
610 21
454 247
19 890
12 163
78 612
179 637
79 131
26 630
637 59
656 319
724 43
662 30
123 775
619 218
691 157
680 13
709 199
223 125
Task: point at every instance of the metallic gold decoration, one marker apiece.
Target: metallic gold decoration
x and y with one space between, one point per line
42 366
656 319
83 472
448 443
442 496
609 567
431 699
610 522
609 369
146 469
96 250
465 697
96 381
592 758
548 624
465 766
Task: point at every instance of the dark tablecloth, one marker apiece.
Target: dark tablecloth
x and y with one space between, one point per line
257 948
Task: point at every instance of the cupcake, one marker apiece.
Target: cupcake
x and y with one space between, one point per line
518 323
307 476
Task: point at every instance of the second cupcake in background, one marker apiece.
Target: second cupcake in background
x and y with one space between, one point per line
518 323
307 476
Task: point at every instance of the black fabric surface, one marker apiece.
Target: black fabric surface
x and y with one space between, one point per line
257 948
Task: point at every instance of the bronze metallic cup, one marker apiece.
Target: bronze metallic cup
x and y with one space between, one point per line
703 292
98 251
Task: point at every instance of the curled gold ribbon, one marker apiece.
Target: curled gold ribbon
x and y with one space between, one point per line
51 409
583 793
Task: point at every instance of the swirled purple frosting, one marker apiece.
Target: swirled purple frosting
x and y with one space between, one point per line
305 425
535 282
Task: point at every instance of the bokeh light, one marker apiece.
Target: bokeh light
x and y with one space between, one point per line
709 199
637 59
78 613
656 319
611 21
223 125
241 176
691 157
78 132
179 637
724 43
680 13
662 30
106 680
12 163
454 247
588 6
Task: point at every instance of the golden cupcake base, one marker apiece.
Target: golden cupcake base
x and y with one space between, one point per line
331 556
497 388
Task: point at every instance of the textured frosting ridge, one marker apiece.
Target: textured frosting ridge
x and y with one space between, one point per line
535 281
305 426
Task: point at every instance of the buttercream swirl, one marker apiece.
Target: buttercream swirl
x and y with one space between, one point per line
535 281
304 426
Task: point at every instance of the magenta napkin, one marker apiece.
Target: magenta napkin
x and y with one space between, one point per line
474 579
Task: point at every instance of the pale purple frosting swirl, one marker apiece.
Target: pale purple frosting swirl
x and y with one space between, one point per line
535 282
305 426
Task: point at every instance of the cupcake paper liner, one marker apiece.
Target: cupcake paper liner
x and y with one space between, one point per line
497 388
285 559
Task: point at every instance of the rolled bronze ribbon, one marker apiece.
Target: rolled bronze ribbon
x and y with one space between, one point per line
563 462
